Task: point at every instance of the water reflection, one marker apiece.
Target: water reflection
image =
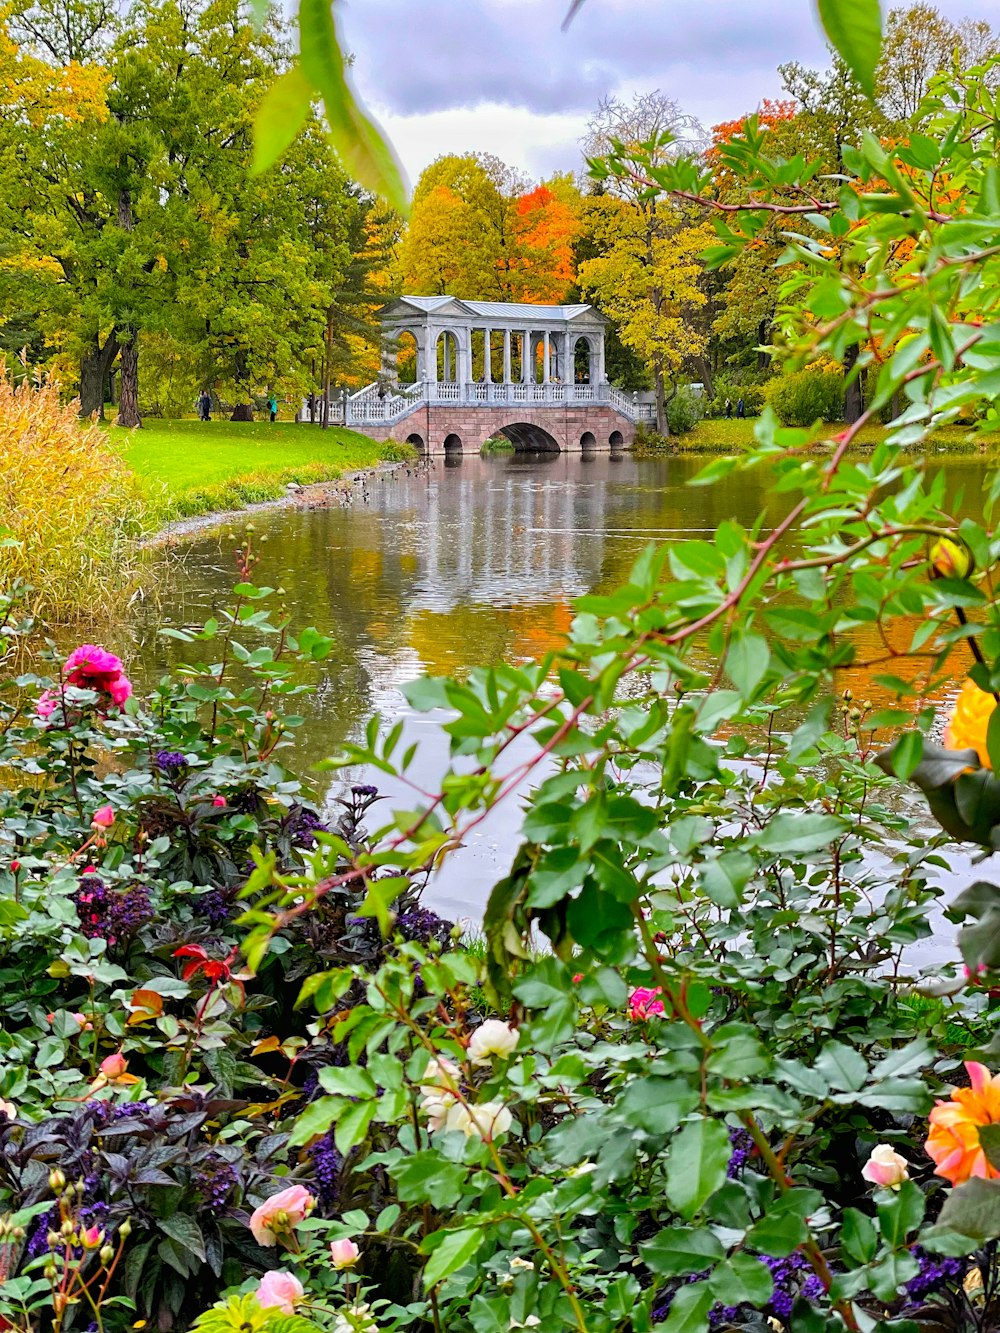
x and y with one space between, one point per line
462 562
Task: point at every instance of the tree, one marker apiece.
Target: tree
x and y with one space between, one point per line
647 281
920 42
547 225
652 119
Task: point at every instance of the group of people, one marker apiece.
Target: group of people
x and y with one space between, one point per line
205 406
740 409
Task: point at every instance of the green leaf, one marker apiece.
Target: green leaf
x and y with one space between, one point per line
186 1232
697 1167
858 1236
854 28
689 1310
901 1214
907 754
783 1228
746 662
989 1141
282 113
790 833
359 142
678 1250
842 1066
451 1249
352 1126
973 1210
742 1279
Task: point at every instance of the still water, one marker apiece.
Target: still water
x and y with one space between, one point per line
453 564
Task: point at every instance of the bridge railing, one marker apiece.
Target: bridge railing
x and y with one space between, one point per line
376 404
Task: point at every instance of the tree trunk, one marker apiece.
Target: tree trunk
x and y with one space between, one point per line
706 375
662 425
93 373
128 381
242 412
853 402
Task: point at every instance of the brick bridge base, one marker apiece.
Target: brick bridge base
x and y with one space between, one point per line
435 429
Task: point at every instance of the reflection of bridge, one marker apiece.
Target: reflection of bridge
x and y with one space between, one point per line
531 373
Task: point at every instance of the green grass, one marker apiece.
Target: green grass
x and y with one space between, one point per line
717 435
187 468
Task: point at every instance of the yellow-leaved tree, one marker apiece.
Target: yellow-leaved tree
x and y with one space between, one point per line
646 279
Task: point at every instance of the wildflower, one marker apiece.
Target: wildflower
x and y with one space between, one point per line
344 1253
328 1165
169 761
110 914
525 1264
48 702
487 1119
422 926
885 1167
969 721
279 1291
218 802
936 1271
953 1139
91 1238
436 1105
280 1214
642 1003
103 818
492 1038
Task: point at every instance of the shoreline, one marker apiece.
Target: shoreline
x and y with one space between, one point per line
311 495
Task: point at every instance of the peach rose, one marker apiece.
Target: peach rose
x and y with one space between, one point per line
278 1215
280 1291
344 1253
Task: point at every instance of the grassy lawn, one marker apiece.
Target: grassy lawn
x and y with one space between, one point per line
194 467
719 436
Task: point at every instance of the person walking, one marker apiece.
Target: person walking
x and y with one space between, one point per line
205 406
729 409
272 407
740 409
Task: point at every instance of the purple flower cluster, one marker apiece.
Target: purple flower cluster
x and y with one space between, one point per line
422 925
364 791
169 761
790 1282
110 914
215 907
936 1271
742 1145
301 825
216 1182
327 1164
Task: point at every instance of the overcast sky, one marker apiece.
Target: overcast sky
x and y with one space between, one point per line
498 76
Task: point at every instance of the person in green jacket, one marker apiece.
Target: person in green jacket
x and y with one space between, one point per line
272 407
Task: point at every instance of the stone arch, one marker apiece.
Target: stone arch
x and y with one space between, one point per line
453 443
446 357
406 358
583 360
417 441
526 437
616 440
588 441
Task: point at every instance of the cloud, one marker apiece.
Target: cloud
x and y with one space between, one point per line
500 75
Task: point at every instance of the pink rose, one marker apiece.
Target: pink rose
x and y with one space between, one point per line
279 1214
280 1291
886 1167
91 1237
218 802
344 1253
103 818
47 704
642 1003
89 661
114 1066
120 690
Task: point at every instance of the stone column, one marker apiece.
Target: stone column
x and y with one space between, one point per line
568 363
599 376
526 366
487 367
506 356
430 355
545 357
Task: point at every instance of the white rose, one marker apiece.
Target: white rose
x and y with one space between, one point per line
886 1168
488 1119
491 1039
355 1319
440 1073
436 1105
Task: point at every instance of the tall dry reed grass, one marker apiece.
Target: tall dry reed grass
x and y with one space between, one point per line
70 510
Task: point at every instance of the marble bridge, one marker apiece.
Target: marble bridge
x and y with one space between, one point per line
456 373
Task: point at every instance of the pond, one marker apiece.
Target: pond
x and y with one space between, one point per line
461 562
